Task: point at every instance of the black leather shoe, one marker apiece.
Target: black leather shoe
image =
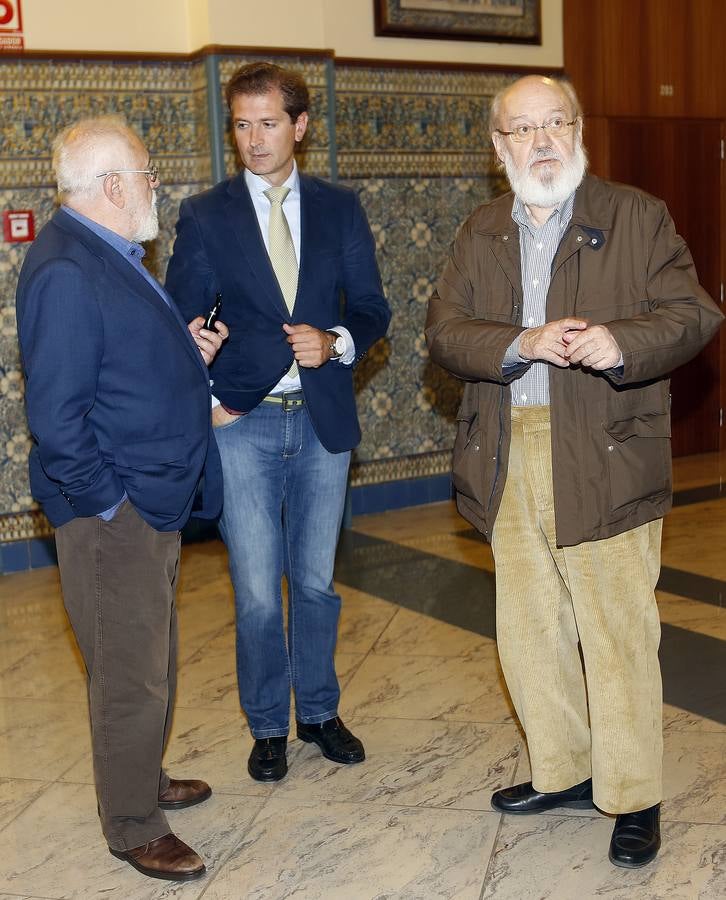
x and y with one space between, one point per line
334 739
268 759
636 838
522 799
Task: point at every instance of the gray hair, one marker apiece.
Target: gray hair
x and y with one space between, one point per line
564 85
84 149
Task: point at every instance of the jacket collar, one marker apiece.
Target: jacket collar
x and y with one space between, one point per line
592 210
246 229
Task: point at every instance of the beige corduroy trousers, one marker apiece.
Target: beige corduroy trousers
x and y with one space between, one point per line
578 634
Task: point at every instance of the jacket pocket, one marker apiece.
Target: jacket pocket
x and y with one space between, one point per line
638 458
467 468
152 453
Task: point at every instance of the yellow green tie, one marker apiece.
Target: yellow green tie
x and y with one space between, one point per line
282 252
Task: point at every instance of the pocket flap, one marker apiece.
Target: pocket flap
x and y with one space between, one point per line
646 425
156 450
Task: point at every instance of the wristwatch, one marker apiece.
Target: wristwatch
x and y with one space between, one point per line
336 346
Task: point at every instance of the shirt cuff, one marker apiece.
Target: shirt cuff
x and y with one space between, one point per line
512 357
349 356
109 513
215 401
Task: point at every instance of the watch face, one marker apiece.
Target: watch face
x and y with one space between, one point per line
340 345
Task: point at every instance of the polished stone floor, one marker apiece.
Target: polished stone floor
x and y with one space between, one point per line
422 687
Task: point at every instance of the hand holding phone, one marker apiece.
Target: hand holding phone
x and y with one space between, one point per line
213 314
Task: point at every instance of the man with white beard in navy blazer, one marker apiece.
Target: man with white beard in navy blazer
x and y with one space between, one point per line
118 400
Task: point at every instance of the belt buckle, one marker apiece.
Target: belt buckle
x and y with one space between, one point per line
289 403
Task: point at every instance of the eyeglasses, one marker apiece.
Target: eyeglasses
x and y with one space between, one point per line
152 173
556 127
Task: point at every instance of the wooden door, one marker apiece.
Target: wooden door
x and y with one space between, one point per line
662 58
680 162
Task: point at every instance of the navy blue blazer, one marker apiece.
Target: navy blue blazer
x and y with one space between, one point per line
117 393
219 247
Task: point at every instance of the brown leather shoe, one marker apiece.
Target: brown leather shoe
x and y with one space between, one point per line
167 857
182 793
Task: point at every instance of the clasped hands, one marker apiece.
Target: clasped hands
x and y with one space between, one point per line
311 346
570 342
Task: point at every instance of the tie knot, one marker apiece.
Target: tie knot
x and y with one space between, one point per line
277 194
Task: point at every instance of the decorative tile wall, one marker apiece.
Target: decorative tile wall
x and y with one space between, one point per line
414 144
411 141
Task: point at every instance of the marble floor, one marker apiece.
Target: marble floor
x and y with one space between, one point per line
422 687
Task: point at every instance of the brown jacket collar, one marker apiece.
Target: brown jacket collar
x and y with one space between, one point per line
592 210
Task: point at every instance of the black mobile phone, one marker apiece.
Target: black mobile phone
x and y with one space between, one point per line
213 314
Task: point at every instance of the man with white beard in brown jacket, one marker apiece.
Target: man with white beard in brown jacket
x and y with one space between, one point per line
564 305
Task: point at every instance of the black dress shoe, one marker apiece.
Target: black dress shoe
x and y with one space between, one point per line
268 759
334 739
522 799
636 838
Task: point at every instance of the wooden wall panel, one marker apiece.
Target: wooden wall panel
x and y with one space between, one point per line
662 58
623 24
705 53
583 30
597 141
680 162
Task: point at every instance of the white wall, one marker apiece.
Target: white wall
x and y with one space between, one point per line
144 26
182 26
268 23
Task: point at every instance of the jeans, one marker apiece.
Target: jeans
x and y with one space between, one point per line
284 495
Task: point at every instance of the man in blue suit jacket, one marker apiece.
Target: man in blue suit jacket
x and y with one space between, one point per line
282 248
118 404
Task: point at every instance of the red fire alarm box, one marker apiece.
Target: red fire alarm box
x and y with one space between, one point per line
18 225
11 26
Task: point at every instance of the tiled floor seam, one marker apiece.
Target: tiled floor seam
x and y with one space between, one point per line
495 844
372 648
29 896
31 801
201 647
223 862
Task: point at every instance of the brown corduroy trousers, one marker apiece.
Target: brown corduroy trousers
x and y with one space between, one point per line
119 581
578 634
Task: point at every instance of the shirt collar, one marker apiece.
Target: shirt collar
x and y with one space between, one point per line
256 183
563 211
123 245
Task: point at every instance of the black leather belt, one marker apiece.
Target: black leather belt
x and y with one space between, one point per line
288 400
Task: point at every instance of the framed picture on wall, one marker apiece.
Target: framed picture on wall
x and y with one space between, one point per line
511 21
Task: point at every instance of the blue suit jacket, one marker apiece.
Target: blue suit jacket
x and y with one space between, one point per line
117 392
219 248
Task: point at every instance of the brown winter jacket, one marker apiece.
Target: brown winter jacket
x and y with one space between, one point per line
620 263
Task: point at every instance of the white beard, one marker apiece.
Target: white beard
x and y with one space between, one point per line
148 227
546 190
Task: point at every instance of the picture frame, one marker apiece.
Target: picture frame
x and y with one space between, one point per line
500 21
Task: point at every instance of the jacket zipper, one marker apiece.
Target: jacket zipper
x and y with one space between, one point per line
515 316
